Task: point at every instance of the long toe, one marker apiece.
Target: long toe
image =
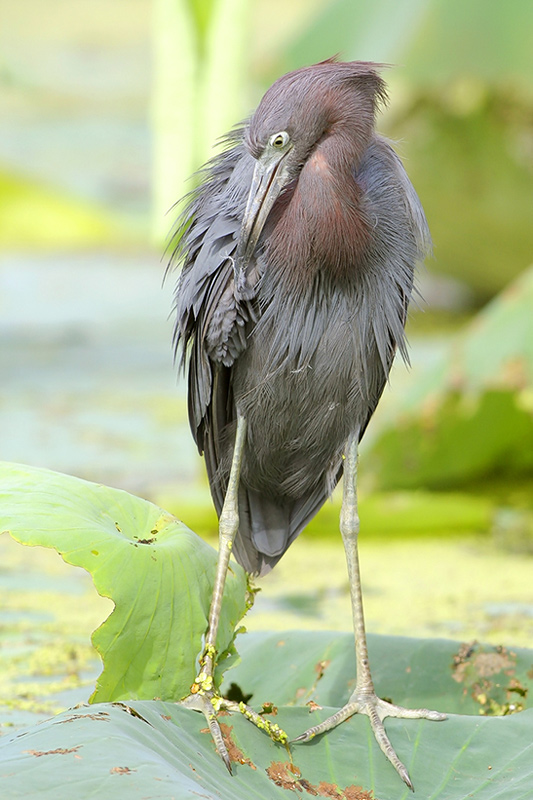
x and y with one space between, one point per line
376 710
203 703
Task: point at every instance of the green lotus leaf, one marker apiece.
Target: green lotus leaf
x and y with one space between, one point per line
158 573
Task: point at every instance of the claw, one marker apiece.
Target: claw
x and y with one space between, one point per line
376 710
218 739
199 701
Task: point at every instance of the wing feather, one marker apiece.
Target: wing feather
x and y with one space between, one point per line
211 323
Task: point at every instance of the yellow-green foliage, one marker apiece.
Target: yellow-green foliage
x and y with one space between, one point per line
35 216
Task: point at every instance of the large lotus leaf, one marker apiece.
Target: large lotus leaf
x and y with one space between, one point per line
472 413
155 749
158 573
453 677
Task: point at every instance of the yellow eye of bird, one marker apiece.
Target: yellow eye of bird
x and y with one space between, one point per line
280 139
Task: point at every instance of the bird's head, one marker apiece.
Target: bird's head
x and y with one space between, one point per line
333 101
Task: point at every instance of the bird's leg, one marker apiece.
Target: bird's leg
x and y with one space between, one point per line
204 695
228 526
363 699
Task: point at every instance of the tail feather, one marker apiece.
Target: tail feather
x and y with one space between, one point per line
268 527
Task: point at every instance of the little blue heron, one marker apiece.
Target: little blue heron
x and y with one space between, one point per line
298 250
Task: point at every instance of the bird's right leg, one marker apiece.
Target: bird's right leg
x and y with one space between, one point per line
204 695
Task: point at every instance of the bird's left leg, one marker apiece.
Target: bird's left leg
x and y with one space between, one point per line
204 695
363 699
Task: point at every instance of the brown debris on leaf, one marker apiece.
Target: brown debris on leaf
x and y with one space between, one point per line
63 751
357 793
121 770
321 667
488 674
98 716
288 776
130 710
329 790
269 708
235 753
350 793
285 774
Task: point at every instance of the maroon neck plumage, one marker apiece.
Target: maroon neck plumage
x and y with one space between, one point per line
321 220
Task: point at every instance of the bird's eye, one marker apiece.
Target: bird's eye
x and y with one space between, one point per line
279 140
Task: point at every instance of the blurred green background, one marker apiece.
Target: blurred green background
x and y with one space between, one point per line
107 106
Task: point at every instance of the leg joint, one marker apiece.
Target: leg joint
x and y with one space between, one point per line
349 521
228 525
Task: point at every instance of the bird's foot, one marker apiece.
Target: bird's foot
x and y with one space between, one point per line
205 698
362 702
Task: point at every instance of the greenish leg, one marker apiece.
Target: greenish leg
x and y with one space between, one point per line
204 696
363 699
228 526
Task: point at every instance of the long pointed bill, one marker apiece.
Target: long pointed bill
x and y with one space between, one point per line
269 178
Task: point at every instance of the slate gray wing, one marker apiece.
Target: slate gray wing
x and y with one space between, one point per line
211 323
